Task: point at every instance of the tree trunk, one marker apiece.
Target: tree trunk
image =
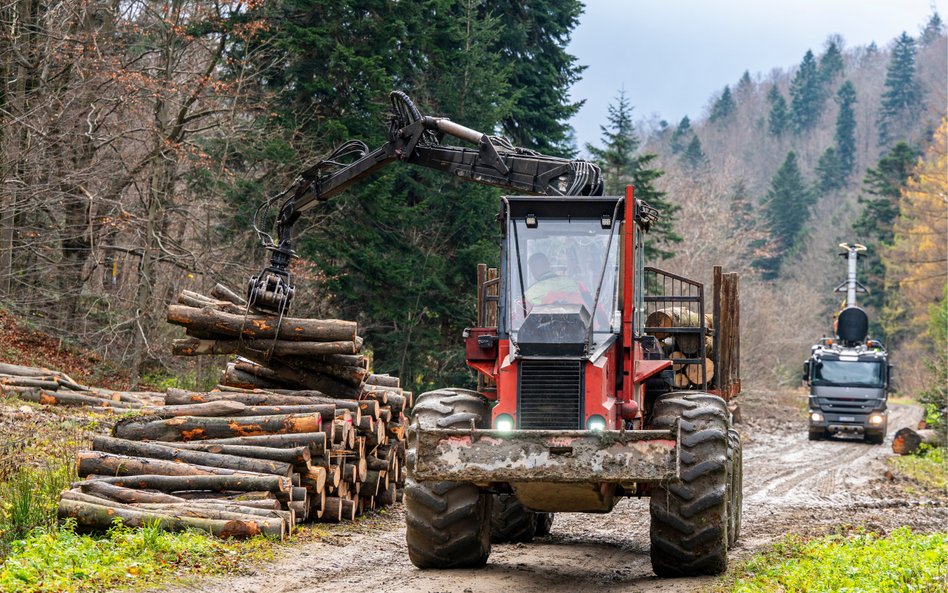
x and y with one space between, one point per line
908 441
156 451
124 495
314 441
241 482
293 455
190 428
266 327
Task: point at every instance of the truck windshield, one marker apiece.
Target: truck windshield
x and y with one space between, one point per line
561 262
845 373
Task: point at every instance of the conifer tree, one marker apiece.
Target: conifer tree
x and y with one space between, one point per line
902 96
680 135
622 165
778 119
829 171
806 95
934 29
845 137
724 107
693 156
785 210
831 62
745 85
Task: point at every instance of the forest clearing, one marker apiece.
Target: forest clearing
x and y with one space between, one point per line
286 299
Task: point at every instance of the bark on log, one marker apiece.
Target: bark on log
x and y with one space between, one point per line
95 463
198 301
240 482
180 397
234 377
314 441
332 510
54 398
100 517
383 380
169 453
209 409
907 441
262 326
211 509
347 360
327 411
387 497
190 428
294 455
223 293
124 495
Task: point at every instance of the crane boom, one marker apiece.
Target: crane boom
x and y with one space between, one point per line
414 139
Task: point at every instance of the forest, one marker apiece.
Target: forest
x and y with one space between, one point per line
138 139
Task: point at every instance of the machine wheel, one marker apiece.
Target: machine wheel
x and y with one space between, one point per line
736 484
510 521
544 523
689 531
817 435
875 439
448 523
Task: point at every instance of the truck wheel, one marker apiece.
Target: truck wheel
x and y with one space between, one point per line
510 521
875 439
448 523
544 523
817 435
689 531
735 494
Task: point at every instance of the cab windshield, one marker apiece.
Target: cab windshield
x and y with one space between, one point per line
560 261
848 374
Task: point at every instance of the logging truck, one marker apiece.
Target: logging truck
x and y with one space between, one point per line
849 375
579 401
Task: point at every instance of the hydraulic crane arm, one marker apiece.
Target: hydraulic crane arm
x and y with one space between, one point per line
414 139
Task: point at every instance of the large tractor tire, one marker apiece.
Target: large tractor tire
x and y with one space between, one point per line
448 523
510 521
689 530
736 483
544 523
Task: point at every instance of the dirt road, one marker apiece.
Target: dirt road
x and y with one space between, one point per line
790 484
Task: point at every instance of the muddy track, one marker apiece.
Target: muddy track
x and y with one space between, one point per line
790 484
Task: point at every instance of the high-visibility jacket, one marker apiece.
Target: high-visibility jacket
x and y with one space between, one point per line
555 289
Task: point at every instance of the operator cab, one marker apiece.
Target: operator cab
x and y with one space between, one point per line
561 262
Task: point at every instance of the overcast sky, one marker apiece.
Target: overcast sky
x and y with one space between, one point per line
670 56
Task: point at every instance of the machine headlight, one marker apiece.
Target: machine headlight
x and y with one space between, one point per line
816 417
876 419
596 423
504 423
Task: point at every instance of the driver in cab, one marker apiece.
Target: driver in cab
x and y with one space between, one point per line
549 288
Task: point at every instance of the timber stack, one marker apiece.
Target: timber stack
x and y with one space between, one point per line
677 346
56 388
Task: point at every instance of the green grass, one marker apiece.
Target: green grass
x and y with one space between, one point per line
29 497
59 559
853 563
929 467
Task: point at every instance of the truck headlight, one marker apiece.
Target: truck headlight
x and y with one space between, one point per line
596 423
816 417
504 423
876 419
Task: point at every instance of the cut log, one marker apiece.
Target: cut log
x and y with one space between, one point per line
124 495
293 455
212 409
96 463
101 517
262 326
387 497
681 380
314 441
261 398
332 510
223 293
239 482
189 428
158 451
234 377
907 441
199 301
212 509
58 398
383 380
693 371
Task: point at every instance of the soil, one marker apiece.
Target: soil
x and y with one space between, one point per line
790 485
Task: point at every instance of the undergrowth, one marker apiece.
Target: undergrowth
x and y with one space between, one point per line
929 467
29 497
856 563
59 559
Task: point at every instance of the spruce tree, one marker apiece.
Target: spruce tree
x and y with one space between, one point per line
902 96
829 171
693 156
532 39
831 63
724 107
744 86
845 137
622 165
779 119
680 135
874 227
785 210
806 95
934 29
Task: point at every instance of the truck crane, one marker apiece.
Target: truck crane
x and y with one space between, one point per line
576 406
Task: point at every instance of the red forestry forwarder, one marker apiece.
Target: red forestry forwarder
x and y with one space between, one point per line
577 404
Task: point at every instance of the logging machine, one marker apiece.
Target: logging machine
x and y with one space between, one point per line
849 374
576 405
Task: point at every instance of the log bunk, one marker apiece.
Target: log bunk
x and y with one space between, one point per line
298 430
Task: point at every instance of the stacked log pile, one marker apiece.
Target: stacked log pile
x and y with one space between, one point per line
50 387
241 463
684 345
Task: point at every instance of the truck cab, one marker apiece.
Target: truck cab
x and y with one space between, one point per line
848 384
